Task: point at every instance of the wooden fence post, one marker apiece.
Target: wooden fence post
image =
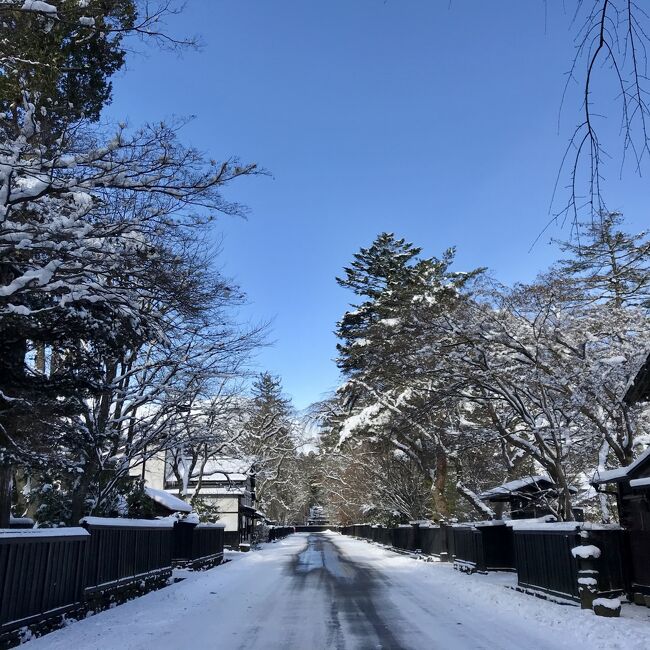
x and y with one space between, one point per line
586 555
444 554
417 542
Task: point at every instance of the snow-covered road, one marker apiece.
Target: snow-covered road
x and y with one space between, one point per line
327 591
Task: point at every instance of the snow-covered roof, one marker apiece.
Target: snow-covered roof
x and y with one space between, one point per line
167 500
620 473
224 491
513 487
233 467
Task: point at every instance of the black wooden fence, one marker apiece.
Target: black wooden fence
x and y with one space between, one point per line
278 532
433 540
404 537
197 546
540 554
41 575
123 552
545 562
46 573
468 548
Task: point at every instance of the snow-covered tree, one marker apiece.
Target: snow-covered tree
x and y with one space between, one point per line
474 383
394 390
270 440
82 218
607 264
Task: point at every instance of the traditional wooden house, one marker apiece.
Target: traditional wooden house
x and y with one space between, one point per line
528 497
631 486
228 484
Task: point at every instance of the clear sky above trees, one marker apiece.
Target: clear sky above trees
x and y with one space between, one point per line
435 120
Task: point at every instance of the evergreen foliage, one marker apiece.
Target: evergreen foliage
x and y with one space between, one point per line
454 383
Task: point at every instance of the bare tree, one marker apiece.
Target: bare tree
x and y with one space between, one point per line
610 63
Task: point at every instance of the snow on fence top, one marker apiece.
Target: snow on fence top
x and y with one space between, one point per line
490 522
168 500
588 525
167 522
523 524
10 533
608 603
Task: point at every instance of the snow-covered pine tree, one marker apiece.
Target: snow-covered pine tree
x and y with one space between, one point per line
392 355
607 264
269 441
380 275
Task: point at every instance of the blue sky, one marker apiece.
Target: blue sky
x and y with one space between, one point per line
436 120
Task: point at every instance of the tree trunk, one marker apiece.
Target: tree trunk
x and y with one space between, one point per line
79 495
13 350
6 485
564 500
439 487
21 485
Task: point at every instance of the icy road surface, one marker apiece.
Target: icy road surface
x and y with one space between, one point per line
325 591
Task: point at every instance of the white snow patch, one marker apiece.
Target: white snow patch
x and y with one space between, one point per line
585 552
168 500
39 6
609 603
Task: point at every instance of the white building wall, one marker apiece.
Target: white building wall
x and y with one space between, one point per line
228 512
154 471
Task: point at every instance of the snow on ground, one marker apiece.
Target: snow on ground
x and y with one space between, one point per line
330 591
